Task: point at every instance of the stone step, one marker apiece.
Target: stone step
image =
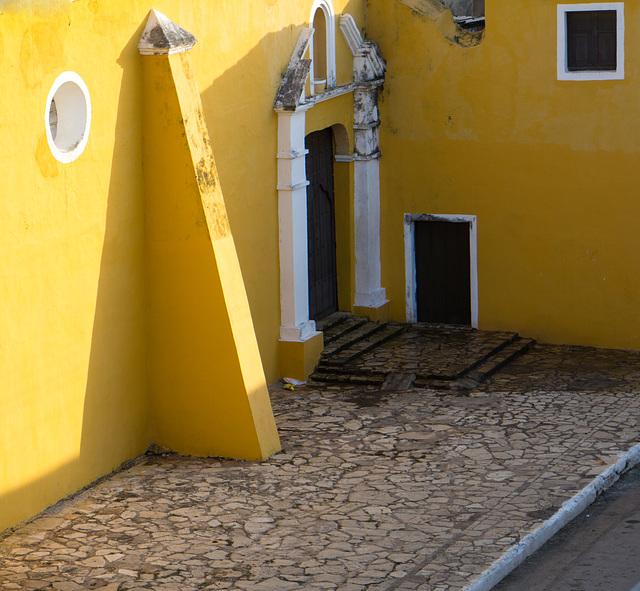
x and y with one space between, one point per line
350 337
329 321
509 338
399 382
341 327
367 337
478 372
326 375
500 359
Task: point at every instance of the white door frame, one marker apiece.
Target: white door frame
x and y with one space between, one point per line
410 220
291 105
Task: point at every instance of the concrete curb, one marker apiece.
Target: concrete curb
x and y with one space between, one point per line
517 554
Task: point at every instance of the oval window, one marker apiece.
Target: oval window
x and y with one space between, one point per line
68 117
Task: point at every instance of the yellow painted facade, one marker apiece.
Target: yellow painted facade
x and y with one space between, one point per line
207 388
76 388
545 165
128 320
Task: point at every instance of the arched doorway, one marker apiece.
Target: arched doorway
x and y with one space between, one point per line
321 225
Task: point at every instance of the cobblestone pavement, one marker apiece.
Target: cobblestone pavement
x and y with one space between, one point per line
375 490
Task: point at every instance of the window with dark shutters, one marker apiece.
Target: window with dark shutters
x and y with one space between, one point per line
591 40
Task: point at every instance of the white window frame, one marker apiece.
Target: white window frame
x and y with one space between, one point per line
73 117
563 71
330 19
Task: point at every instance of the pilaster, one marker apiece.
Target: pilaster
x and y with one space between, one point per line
368 71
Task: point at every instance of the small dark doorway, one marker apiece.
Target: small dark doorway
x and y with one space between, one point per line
443 272
321 226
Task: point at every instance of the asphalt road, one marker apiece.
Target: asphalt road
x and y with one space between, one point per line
597 551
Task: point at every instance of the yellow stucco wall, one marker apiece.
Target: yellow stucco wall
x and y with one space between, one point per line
252 50
73 385
546 165
74 392
485 130
207 388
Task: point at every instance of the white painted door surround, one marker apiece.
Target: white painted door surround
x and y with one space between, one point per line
292 217
291 105
410 220
366 169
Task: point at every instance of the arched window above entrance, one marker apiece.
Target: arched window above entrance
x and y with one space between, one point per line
323 48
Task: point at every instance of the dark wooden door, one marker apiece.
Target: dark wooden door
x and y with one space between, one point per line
321 227
443 274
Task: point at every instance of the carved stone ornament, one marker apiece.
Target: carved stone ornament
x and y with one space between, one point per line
163 37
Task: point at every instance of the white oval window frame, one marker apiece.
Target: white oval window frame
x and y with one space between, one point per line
73 120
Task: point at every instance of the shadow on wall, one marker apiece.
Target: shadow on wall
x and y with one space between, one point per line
115 424
116 408
237 104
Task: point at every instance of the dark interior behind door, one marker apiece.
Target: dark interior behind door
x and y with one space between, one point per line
443 275
321 232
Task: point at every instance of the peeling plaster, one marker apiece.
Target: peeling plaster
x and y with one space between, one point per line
443 18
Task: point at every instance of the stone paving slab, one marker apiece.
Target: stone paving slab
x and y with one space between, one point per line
375 490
